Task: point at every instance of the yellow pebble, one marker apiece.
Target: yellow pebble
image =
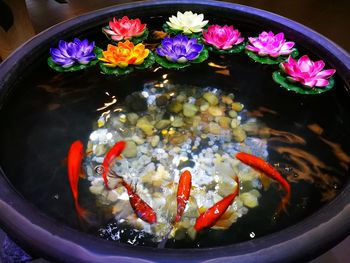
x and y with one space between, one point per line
122 118
100 123
171 132
164 132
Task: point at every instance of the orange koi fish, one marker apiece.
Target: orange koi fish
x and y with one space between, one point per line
75 156
112 154
183 193
141 208
266 168
213 214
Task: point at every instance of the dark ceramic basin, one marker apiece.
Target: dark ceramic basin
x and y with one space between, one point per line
31 224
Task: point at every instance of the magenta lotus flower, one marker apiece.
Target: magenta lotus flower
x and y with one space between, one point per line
307 72
268 44
222 37
124 28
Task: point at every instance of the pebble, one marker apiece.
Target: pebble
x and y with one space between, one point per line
249 200
136 102
238 134
196 121
155 140
211 98
181 98
96 189
177 122
215 111
132 118
226 100
162 124
162 100
224 122
175 107
100 149
236 106
144 124
232 114
189 110
130 149
138 139
204 106
177 138
214 128
235 123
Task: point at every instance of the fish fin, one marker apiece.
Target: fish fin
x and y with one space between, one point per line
222 224
82 174
265 181
202 210
282 207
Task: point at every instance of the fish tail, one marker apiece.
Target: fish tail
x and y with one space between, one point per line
282 207
81 212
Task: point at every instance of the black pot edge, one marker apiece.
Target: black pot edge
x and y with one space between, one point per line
331 222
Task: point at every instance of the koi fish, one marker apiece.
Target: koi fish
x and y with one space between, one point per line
141 208
111 155
183 193
75 156
213 214
266 168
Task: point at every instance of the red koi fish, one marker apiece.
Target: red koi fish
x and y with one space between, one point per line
75 156
112 154
213 214
266 168
141 208
183 193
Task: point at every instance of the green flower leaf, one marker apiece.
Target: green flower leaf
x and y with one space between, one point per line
74 67
171 65
270 60
171 31
116 70
233 50
135 40
202 56
281 79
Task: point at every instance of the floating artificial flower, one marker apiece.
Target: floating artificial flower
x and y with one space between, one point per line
272 49
186 23
71 56
305 76
223 38
180 51
118 59
126 29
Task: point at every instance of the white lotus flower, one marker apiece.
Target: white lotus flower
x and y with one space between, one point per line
187 22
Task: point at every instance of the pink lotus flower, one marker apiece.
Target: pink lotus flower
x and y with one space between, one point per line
124 28
307 72
222 37
268 44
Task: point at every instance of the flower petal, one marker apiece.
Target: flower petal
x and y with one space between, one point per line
325 73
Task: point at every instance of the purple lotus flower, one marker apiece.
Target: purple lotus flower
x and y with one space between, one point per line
69 53
180 49
307 72
268 44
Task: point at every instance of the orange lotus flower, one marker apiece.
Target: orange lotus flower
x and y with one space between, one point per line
124 54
